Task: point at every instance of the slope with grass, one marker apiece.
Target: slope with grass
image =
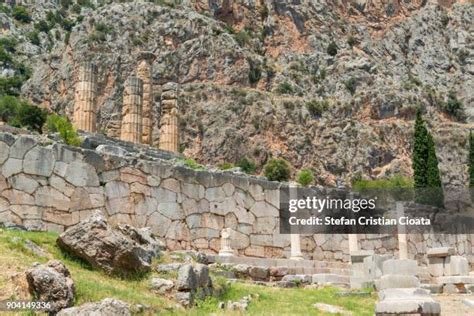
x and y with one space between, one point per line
92 285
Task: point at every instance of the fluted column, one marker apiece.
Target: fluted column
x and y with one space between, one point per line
85 111
131 129
145 73
169 123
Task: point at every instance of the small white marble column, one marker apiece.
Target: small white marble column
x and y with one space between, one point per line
353 245
296 253
402 236
226 249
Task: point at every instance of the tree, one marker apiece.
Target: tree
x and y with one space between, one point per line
332 49
8 108
425 166
471 159
420 153
277 170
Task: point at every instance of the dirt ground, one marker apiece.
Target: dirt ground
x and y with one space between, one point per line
452 305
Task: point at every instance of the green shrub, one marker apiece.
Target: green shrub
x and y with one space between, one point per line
21 14
8 44
305 177
226 166
30 116
60 124
454 107
351 41
396 181
351 85
255 73
242 38
191 163
277 170
332 49
42 26
8 107
285 88
316 108
34 38
247 165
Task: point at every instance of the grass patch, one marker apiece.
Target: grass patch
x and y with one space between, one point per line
92 285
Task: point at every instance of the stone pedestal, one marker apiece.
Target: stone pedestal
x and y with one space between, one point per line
131 129
402 236
226 249
85 112
169 123
145 73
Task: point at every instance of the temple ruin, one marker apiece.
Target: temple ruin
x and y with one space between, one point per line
145 73
85 110
169 133
131 129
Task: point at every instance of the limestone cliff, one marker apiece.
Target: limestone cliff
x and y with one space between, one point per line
330 85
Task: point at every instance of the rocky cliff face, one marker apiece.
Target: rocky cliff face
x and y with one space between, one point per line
330 85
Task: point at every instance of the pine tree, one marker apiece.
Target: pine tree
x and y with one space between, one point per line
432 171
471 159
420 153
425 166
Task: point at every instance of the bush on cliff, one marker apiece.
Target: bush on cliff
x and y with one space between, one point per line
60 124
247 165
305 177
20 113
277 170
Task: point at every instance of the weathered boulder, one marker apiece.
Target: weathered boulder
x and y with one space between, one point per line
51 283
186 278
202 275
144 237
106 307
104 247
185 299
161 286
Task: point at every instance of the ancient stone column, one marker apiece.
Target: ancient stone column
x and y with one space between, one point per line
169 125
131 129
402 236
145 73
295 241
85 111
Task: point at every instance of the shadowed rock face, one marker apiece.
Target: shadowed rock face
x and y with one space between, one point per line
52 283
107 248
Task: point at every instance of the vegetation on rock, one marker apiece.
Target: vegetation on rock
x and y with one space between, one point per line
277 170
305 177
67 132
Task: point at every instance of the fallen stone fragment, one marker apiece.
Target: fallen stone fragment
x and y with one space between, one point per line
331 309
51 283
161 286
106 307
104 247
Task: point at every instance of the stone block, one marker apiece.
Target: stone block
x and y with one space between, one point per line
21 146
329 278
456 265
436 266
39 161
22 182
458 279
373 265
391 281
11 167
298 278
358 256
264 209
81 174
4 151
433 288
406 301
440 252
400 266
259 273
